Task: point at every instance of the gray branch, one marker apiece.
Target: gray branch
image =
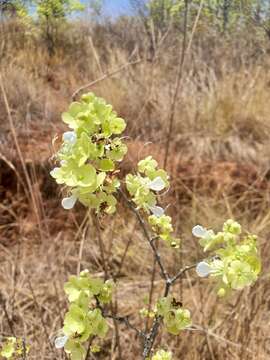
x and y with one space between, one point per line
149 339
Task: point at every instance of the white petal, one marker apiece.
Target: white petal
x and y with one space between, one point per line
156 210
60 342
69 202
54 171
157 184
63 162
70 137
199 231
203 269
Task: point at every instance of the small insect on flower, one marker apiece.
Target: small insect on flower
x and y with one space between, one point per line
157 184
199 231
69 202
203 269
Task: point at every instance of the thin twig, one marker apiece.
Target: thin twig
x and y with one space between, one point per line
40 315
182 272
18 149
184 51
81 251
149 339
177 84
114 309
9 321
148 345
101 247
151 292
147 235
24 352
125 252
125 320
105 76
88 352
218 337
58 307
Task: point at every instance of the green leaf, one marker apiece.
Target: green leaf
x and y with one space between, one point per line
72 290
75 321
111 204
75 349
90 200
162 355
98 323
117 125
86 175
75 108
68 119
163 306
106 165
95 286
176 320
117 153
100 178
147 164
105 295
8 348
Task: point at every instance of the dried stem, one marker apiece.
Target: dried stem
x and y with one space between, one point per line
177 84
105 76
20 155
179 76
149 338
9 321
146 234
125 320
101 247
182 272
40 315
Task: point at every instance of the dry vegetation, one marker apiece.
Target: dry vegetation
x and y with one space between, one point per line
219 162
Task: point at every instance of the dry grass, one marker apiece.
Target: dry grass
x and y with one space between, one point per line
220 168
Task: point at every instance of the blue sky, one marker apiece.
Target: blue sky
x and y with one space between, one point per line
114 7
117 7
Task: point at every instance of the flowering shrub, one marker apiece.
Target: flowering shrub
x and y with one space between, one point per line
89 154
236 264
84 317
87 165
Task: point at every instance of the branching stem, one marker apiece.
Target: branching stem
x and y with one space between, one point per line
149 338
125 320
146 234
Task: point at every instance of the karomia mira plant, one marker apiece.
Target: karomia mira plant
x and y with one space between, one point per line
87 162
13 348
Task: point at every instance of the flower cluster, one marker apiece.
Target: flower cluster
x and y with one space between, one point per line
175 317
162 355
84 318
162 226
236 263
13 348
89 153
144 188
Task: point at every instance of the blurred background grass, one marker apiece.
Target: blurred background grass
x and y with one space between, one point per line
218 161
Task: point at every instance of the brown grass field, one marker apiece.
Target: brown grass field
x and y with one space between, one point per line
218 161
